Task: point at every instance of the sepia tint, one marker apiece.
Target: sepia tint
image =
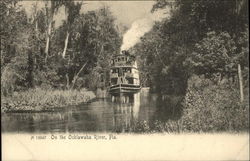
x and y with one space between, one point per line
97 70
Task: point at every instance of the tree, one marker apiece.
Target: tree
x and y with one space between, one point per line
241 11
216 53
72 10
51 7
194 40
11 16
94 39
13 49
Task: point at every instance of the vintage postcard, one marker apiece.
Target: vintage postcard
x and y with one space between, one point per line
124 80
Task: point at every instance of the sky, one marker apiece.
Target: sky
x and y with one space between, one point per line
136 15
125 12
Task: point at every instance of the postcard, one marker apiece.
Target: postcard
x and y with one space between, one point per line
124 80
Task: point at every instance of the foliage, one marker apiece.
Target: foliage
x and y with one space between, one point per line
140 127
203 38
92 42
216 53
27 61
207 107
39 100
194 40
211 107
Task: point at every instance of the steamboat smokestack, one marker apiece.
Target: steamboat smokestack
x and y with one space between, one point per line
125 52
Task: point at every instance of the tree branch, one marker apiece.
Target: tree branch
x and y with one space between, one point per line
76 76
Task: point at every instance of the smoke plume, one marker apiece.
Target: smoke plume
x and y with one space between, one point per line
137 30
141 27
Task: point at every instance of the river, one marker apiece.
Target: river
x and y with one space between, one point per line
114 114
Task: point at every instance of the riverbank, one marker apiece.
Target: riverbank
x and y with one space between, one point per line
37 100
206 108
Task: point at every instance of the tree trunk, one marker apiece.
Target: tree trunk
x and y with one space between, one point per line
1 50
219 79
30 76
67 79
65 45
36 29
240 83
35 19
48 40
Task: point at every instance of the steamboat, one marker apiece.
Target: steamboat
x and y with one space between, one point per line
124 75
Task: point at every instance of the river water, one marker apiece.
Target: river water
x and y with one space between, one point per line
114 114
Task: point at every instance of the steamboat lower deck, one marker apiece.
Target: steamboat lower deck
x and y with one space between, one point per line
124 88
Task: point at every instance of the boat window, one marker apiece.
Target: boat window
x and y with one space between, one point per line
114 71
114 81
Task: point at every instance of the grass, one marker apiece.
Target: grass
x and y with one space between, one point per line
38 99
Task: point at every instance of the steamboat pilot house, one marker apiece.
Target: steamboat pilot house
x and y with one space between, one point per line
124 75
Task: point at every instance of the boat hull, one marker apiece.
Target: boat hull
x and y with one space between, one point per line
124 88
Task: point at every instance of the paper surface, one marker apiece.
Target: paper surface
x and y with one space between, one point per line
127 147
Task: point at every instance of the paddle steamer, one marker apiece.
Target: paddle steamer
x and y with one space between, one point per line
124 75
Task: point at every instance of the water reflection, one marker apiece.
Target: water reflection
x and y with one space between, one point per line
116 114
126 110
168 107
64 121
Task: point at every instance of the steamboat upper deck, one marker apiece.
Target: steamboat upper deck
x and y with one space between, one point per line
124 75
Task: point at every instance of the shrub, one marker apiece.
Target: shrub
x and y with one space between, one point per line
38 99
140 127
207 107
213 107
